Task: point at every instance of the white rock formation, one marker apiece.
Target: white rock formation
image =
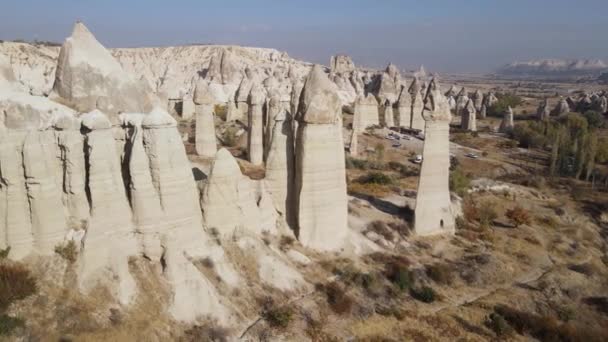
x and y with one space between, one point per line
280 163
110 234
232 203
477 100
561 108
320 168
507 121
86 71
469 117
341 64
433 214
188 108
543 112
255 143
366 109
389 119
416 119
205 141
461 101
403 109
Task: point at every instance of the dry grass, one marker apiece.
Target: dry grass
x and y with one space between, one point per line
16 283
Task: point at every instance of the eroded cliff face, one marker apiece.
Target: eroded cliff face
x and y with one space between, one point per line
170 72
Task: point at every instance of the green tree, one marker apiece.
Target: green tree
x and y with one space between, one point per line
504 101
594 119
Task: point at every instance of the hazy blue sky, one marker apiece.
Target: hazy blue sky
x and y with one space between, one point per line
444 35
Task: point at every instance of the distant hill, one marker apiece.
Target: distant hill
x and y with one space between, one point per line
555 68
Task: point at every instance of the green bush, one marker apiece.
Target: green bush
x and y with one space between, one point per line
8 324
68 251
527 137
220 111
378 178
398 273
404 170
498 324
4 252
340 302
230 138
594 119
278 316
459 182
440 273
363 164
504 102
424 294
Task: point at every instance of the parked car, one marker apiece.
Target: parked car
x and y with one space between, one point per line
471 155
417 159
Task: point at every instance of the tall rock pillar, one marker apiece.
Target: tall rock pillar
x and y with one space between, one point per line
320 170
433 214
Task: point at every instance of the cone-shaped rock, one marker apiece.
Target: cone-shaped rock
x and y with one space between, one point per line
86 71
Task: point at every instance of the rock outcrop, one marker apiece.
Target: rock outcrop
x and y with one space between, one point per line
416 119
341 64
403 112
205 141
232 203
389 119
366 110
543 112
561 108
469 117
280 164
255 144
433 213
507 121
87 71
320 168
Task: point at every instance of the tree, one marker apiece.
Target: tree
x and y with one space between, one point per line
594 119
518 216
504 101
591 152
602 150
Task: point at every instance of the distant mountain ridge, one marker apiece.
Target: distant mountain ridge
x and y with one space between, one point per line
555 67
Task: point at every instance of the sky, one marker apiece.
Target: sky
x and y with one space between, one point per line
442 35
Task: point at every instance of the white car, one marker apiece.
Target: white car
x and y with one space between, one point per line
417 159
471 155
